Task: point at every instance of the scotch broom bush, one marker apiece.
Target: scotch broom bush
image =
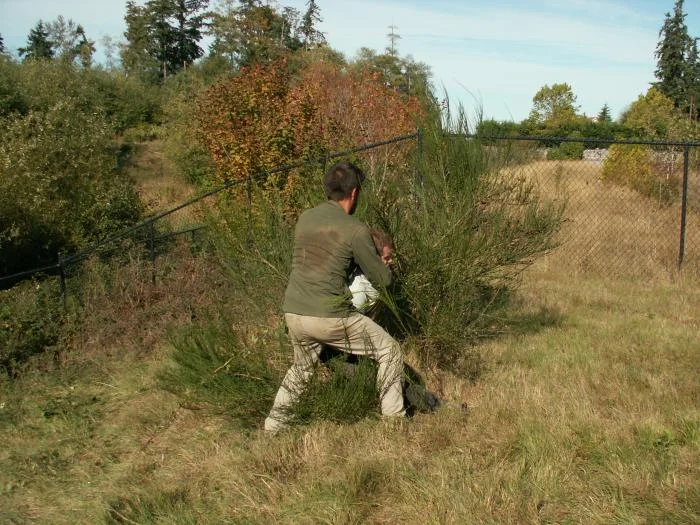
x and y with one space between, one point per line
462 232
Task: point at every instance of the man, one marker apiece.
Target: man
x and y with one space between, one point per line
329 243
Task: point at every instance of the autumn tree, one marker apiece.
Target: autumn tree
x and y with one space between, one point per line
39 46
258 120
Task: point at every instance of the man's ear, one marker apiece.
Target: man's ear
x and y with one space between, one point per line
354 193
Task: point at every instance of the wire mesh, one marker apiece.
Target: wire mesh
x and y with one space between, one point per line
623 203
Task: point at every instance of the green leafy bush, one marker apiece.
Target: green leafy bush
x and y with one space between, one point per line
30 322
634 166
59 186
567 150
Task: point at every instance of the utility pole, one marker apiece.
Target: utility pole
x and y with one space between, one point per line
393 37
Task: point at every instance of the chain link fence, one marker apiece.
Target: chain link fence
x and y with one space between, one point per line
632 208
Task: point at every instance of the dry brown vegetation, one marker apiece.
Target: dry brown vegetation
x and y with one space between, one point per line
586 409
613 230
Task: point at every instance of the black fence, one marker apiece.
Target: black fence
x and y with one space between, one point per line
632 207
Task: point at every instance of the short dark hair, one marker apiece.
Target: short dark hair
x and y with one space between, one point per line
341 179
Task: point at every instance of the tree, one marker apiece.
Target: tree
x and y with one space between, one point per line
253 33
693 80
38 44
604 116
670 54
553 106
307 29
163 35
136 52
393 38
653 115
402 74
70 42
2 45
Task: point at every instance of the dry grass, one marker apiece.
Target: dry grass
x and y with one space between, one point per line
586 410
593 420
613 230
160 187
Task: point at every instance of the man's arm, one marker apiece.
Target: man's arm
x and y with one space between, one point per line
365 255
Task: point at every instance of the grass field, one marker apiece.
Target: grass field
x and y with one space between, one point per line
585 411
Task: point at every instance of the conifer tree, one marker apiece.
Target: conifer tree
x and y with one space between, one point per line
2 45
604 114
163 34
671 66
38 44
310 34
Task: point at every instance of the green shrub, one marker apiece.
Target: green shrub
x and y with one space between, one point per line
59 186
30 322
633 166
461 233
567 150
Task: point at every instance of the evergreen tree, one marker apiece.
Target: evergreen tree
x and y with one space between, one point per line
693 80
604 116
163 34
2 45
310 34
136 53
38 44
671 66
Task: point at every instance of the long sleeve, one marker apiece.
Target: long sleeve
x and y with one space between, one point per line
365 255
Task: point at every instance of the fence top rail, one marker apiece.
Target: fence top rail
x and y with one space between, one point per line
641 142
84 254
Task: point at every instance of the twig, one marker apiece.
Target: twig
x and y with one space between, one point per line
120 515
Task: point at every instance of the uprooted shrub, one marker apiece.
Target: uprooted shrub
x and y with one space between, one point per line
462 230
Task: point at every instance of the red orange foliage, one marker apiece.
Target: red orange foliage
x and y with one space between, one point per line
262 118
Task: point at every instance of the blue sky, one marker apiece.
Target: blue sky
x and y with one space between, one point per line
496 53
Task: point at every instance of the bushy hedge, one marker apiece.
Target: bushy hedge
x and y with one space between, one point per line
31 322
60 183
635 166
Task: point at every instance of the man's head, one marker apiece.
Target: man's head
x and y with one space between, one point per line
342 184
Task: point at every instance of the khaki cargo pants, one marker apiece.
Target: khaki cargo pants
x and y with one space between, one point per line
357 335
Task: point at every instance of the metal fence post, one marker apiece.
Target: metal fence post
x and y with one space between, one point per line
684 205
152 247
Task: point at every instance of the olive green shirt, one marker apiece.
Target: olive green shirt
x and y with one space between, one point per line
328 246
